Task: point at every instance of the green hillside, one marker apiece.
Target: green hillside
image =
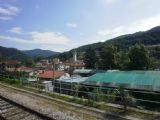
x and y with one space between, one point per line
150 38
39 53
11 53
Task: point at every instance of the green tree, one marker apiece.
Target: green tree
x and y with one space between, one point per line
139 57
152 64
125 97
122 96
109 57
29 62
123 60
38 58
90 58
98 95
76 90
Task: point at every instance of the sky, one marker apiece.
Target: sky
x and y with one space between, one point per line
61 25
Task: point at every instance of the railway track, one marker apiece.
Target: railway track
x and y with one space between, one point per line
13 111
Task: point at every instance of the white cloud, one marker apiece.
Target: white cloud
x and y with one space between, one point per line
9 10
5 18
17 30
141 25
43 38
49 38
71 25
13 39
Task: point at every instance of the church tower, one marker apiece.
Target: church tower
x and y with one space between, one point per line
75 56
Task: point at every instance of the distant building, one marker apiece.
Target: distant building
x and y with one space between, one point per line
74 63
58 64
68 65
56 60
67 83
43 64
24 69
9 65
87 72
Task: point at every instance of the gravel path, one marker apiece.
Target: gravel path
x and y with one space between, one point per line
52 109
10 111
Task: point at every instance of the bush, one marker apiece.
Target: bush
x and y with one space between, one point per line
9 81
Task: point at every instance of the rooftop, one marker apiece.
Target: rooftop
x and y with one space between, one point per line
24 68
72 79
9 62
50 74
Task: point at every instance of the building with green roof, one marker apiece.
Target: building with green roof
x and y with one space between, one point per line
139 80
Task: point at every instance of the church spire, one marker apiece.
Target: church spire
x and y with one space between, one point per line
75 56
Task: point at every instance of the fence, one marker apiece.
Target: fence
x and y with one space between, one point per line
97 93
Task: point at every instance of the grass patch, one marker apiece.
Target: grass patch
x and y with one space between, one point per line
10 82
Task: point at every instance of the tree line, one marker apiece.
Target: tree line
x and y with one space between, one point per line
136 57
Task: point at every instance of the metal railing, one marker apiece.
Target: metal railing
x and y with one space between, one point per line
69 89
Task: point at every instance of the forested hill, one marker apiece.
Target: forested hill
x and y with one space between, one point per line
15 54
39 53
12 53
149 38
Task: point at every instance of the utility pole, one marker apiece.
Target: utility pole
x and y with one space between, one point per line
53 82
59 87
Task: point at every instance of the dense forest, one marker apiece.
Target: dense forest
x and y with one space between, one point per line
136 58
15 54
12 53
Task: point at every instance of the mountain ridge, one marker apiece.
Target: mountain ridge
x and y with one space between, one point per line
22 55
149 38
12 53
39 53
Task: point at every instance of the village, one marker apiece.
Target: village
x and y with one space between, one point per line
70 78
57 76
79 60
46 70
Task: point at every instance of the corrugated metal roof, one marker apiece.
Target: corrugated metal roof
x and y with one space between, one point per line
86 71
72 79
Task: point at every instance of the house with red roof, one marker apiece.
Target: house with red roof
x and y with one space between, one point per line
24 69
49 75
9 65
